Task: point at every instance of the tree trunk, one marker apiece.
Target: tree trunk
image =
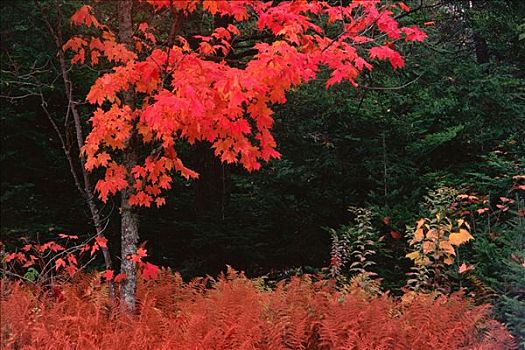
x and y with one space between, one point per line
129 240
129 230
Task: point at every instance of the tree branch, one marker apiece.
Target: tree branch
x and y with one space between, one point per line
87 191
393 87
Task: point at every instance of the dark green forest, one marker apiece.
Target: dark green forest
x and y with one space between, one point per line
401 147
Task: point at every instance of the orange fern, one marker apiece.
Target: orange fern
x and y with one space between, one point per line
234 313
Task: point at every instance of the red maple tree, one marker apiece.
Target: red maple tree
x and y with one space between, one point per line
165 89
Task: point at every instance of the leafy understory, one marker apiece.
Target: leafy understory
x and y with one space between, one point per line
234 312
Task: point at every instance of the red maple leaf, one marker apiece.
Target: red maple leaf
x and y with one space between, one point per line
108 275
27 247
59 263
413 33
142 252
139 254
386 53
150 271
72 259
403 6
101 241
84 16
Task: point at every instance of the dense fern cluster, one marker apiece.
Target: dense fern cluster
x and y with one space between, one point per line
234 313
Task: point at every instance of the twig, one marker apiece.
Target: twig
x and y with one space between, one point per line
393 87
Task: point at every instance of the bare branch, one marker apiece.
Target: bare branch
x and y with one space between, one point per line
393 87
20 97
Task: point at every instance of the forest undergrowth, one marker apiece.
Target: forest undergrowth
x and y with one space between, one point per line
234 312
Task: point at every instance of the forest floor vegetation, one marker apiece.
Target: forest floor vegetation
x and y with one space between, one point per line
234 312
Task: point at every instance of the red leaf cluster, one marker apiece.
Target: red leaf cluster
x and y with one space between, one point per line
236 313
189 94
